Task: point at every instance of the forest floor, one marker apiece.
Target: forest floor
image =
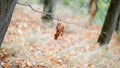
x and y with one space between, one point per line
29 43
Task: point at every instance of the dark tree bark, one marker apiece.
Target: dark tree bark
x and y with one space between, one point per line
117 24
92 10
6 10
110 22
49 9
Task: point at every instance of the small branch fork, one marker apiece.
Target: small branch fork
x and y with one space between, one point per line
55 18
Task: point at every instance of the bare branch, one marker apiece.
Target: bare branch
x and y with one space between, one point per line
55 18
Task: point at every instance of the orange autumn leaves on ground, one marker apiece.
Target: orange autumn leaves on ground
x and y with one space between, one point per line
4 57
59 31
5 63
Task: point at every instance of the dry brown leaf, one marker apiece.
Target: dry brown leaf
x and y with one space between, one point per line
6 65
41 66
4 57
59 31
27 66
55 61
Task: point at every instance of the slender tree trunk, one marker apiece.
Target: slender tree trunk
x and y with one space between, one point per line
92 10
49 9
110 22
117 24
6 10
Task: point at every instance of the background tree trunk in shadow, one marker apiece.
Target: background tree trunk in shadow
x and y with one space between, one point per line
117 24
92 10
6 10
110 22
49 10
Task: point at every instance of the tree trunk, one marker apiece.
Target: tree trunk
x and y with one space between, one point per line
6 10
110 22
49 9
92 10
117 24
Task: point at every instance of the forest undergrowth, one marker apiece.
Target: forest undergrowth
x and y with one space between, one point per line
30 43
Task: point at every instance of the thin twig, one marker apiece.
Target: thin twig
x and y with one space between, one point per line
55 18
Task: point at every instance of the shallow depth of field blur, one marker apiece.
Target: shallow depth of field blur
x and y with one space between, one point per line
30 42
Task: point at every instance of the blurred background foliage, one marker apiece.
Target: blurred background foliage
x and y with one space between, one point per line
79 7
102 10
84 4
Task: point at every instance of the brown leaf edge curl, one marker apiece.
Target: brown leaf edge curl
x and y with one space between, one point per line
59 31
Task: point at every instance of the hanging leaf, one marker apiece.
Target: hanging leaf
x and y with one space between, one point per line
59 31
